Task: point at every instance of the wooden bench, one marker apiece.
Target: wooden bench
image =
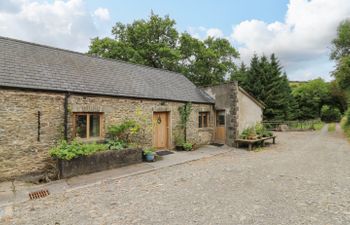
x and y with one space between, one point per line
251 142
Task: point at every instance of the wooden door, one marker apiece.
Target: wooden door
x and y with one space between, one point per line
160 129
220 130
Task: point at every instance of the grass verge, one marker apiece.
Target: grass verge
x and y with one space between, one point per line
318 126
331 127
346 127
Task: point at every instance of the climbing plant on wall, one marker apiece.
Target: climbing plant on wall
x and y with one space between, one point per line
185 112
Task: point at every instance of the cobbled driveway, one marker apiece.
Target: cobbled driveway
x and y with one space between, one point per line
304 179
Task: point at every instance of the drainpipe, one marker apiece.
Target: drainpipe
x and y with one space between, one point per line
65 122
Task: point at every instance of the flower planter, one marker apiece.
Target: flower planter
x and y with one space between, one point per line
149 157
98 162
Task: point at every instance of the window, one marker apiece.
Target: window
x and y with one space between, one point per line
87 125
220 118
203 119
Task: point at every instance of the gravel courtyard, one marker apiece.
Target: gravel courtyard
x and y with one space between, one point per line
304 179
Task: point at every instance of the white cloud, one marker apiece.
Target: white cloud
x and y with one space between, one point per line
203 32
102 13
300 41
215 32
64 24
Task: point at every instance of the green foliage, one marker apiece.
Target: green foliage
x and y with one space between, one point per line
179 137
124 130
342 72
261 131
116 145
248 133
341 44
310 97
187 146
149 151
185 112
151 42
341 54
330 114
265 80
206 62
318 126
67 151
240 75
255 132
345 123
156 42
331 127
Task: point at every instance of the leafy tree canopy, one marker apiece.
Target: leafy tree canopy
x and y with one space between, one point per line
341 44
265 80
156 42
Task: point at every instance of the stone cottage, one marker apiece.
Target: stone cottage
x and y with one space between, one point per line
48 94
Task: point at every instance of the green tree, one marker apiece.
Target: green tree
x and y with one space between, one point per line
266 81
311 96
151 42
341 54
341 44
156 42
206 62
240 74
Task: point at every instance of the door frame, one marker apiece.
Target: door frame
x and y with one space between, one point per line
168 128
217 111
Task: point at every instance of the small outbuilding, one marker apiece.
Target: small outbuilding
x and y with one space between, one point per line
235 110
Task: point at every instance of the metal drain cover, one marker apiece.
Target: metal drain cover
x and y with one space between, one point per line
38 194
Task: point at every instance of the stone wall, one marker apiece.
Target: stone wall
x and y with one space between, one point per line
226 98
21 154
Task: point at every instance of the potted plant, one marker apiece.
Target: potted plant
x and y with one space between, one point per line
149 154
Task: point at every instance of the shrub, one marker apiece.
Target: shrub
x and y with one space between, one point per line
330 114
346 123
67 151
123 131
347 117
187 146
116 145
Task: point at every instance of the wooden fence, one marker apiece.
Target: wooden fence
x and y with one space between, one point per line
291 125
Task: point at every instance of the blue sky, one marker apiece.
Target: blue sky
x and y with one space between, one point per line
299 32
221 14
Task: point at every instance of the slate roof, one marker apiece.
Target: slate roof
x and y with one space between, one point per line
34 66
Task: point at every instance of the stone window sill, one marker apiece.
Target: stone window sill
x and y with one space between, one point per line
205 129
91 140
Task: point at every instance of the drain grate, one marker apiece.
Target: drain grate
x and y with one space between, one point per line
38 194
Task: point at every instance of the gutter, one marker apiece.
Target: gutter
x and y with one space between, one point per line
65 115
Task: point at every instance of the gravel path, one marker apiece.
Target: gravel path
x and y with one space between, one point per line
304 179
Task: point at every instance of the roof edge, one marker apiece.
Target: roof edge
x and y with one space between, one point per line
101 94
257 101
